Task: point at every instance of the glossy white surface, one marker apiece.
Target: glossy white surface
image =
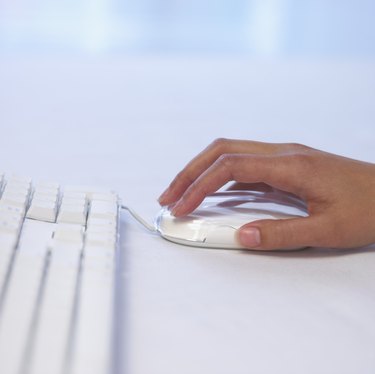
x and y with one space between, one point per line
131 125
215 222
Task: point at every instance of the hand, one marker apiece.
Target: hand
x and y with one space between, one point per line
339 192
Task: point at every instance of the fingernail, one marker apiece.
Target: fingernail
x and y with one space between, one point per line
250 237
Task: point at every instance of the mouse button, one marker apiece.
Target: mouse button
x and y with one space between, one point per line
188 228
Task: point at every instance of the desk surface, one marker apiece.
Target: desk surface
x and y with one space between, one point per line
131 124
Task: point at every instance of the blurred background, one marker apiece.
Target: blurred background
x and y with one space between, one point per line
332 28
126 73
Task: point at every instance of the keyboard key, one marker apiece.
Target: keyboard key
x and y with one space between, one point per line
44 202
47 186
74 195
48 195
103 209
110 197
69 232
18 199
73 209
106 239
43 210
16 179
72 214
89 191
108 222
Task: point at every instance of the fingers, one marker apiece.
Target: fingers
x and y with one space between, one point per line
206 158
261 187
277 171
283 234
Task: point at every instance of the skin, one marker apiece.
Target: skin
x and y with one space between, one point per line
339 192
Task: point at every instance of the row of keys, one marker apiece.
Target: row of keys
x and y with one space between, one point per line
100 231
83 215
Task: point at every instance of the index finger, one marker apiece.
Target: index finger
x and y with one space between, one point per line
198 165
281 171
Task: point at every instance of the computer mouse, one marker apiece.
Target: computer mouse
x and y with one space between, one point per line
215 222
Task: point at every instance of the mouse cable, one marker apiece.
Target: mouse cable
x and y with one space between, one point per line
143 222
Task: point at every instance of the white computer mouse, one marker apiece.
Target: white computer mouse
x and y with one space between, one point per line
214 223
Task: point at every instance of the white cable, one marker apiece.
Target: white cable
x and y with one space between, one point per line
139 219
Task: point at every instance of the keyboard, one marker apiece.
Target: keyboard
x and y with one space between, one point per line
57 277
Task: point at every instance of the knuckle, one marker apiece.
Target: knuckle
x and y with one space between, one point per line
220 144
297 147
226 160
225 167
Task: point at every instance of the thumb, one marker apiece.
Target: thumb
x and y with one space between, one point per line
289 233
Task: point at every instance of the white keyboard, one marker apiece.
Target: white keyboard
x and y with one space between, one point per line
57 277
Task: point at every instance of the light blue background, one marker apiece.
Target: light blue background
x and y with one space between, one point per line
272 28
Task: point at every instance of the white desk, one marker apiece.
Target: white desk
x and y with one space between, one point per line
131 124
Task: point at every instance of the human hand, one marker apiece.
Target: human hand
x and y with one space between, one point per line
339 192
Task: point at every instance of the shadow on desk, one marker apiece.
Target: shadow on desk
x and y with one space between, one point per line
314 252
